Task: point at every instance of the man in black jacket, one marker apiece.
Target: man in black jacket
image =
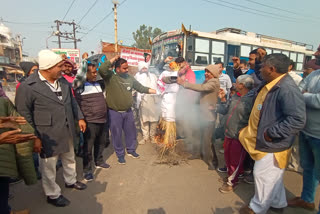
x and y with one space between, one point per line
278 114
46 101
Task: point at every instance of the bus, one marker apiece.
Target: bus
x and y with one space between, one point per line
203 48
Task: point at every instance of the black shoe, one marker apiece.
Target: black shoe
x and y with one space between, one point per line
77 185
58 202
13 181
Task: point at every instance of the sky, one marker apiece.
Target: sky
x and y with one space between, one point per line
288 19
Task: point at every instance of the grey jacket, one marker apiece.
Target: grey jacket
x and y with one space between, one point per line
52 119
237 112
282 116
311 86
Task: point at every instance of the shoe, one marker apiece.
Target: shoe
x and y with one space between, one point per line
223 180
223 169
246 210
299 202
88 177
276 210
58 202
221 151
77 185
20 212
103 166
180 138
241 175
13 181
121 160
249 179
226 188
142 142
133 154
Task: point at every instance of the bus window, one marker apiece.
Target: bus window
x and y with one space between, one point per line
233 50
286 53
202 45
217 58
293 56
300 62
245 50
300 57
276 51
217 47
201 59
268 50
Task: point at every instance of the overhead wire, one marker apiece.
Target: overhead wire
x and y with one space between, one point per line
68 10
25 23
88 11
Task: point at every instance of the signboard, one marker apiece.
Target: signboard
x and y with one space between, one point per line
132 56
72 54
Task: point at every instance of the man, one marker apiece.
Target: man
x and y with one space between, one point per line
89 94
45 100
309 67
261 53
224 79
119 85
309 142
296 77
208 99
237 112
278 114
162 64
148 105
67 70
28 69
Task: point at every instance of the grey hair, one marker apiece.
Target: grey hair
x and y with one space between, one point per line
246 80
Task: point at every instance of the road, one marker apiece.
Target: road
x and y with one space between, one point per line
143 186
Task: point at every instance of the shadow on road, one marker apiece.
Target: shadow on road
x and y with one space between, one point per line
156 211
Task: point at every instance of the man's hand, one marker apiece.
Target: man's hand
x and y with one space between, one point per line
168 59
261 54
152 91
115 58
37 145
236 62
266 137
13 137
12 122
82 125
222 95
180 81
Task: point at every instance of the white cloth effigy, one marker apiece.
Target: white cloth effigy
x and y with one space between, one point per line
169 95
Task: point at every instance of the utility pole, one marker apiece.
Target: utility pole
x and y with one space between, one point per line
115 3
58 24
74 35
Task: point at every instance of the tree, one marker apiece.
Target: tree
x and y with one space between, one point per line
142 35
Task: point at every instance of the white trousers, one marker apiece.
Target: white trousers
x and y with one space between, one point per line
269 188
48 166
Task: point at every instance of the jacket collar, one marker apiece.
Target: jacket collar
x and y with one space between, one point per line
42 88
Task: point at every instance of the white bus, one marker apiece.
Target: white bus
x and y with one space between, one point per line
202 48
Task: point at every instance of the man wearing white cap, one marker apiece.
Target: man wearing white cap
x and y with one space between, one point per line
147 104
45 100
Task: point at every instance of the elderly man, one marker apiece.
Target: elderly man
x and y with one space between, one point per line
278 114
237 112
209 90
309 142
45 100
119 86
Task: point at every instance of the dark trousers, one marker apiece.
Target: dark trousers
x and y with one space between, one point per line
94 138
208 151
122 121
4 195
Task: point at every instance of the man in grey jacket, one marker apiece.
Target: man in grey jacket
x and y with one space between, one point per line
309 142
208 99
45 99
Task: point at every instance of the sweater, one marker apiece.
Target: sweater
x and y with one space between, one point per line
119 88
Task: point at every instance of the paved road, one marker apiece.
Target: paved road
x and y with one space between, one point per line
144 187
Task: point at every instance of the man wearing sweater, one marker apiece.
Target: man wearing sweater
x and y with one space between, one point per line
119 85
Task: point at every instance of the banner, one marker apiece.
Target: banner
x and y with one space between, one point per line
72 54
132 56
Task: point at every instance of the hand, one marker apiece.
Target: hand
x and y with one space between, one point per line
12 122
236 62
168 59
37 145
82 125
180 80
152 91
13 137
115 58
222 95
261 54
266 137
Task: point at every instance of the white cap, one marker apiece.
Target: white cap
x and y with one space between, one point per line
142 65
48 59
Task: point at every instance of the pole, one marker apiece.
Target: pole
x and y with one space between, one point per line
20 48
74 35
115 28
59 41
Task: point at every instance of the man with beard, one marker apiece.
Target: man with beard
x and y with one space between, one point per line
208 99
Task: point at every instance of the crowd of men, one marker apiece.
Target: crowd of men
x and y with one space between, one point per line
261 114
